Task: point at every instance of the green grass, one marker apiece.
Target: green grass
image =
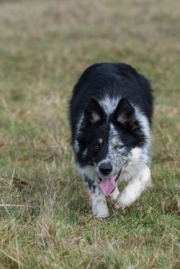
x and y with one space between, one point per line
45 216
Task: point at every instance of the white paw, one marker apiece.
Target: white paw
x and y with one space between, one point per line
102 215
100 211
122 203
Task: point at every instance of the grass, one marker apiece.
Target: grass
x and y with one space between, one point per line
45 217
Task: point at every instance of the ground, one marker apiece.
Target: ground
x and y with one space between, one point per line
45 216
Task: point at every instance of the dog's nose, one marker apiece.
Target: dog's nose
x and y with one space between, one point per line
105 168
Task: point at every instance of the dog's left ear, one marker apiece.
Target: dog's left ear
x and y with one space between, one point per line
124 113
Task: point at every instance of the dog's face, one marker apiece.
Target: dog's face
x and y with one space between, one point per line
106 141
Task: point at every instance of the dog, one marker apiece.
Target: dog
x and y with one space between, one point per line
110 117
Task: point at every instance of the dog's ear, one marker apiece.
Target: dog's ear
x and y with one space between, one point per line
93 113
124 113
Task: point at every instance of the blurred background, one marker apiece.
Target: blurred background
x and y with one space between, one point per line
44 47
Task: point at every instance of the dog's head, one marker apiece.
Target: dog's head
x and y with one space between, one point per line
106 141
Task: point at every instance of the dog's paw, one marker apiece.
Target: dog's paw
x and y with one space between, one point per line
101 212
121 203
102 215
99 207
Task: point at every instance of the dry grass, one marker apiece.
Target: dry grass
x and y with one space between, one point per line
46 220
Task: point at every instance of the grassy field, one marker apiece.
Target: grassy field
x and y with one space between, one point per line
45 216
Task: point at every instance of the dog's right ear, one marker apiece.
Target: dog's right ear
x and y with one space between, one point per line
93 113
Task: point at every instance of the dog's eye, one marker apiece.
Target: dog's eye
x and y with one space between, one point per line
119 147
96 147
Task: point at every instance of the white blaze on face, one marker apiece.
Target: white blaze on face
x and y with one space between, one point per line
114 140
108 183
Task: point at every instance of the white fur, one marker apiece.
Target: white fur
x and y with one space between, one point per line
144 125
109 104
89 171
76 146
76 143
135 164
99 206
134 188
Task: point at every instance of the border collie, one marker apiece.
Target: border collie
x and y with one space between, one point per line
110 116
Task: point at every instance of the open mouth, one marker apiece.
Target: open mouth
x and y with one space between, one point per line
108 184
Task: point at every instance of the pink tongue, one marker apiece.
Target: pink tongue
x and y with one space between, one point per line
107 185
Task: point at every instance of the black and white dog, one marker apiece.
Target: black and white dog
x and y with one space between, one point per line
110 114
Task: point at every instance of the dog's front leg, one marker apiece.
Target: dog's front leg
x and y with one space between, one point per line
134 189
99 206
98 200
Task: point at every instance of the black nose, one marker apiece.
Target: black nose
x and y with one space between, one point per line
105 168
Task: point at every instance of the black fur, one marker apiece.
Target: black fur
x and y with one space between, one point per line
118 80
